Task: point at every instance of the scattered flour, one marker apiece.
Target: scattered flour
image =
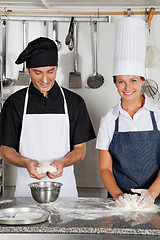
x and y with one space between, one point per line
46 167
93 208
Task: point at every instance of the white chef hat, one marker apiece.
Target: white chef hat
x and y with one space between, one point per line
130 47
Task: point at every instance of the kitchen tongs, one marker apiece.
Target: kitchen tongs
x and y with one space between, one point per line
69 38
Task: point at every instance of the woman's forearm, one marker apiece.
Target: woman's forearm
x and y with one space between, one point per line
155 187
110 183
105 167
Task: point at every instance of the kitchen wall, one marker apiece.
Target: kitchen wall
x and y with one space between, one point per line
98 101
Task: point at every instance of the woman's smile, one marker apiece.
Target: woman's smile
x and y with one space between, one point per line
128 93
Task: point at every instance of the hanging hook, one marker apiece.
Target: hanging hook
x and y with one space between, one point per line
90 21
98 13
129 12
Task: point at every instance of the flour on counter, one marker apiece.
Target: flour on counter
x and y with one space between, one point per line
92 208
46 167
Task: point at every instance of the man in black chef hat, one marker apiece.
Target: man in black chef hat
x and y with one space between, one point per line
44 127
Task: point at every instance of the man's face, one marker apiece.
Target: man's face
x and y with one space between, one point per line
43 78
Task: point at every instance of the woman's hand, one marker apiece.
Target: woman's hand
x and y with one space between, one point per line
146 198
121 200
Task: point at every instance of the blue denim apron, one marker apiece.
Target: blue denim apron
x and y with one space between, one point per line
136 157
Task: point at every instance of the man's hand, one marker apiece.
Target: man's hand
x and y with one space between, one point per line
76 155
31 166
59 164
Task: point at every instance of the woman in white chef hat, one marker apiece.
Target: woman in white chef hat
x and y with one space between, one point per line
129 137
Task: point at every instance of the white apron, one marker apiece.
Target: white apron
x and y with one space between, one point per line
45 137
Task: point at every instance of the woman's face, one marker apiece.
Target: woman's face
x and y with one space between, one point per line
129 86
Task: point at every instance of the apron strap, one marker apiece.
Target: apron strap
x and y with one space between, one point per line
26 102
116 124
153 121
65 103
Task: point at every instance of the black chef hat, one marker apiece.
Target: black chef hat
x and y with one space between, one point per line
41 52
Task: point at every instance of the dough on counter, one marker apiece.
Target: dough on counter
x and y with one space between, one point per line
46 167
133 205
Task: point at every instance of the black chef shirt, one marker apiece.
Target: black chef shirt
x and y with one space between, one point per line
81 129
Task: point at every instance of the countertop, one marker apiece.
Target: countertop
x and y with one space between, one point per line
86 216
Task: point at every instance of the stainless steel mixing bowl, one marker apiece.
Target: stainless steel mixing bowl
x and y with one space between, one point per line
45 192
1 169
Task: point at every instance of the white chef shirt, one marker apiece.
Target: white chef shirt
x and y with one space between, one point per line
141 121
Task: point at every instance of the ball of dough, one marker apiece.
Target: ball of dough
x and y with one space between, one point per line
46 167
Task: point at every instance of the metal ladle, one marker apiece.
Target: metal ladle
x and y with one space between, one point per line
55 33
95 80
6 81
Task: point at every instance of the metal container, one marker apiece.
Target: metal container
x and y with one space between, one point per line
45 192
2 166
23 215
1 169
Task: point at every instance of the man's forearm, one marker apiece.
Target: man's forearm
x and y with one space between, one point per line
9 155
76 155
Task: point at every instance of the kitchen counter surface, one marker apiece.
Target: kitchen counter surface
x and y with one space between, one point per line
86 216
